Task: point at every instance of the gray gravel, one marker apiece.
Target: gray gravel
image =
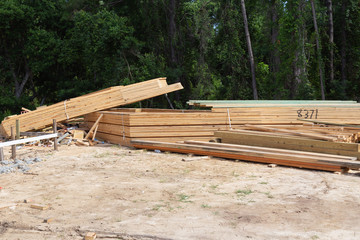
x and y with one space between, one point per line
21 165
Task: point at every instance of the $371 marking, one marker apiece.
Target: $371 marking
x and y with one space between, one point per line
307 114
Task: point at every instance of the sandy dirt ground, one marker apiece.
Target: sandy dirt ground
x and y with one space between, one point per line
123 193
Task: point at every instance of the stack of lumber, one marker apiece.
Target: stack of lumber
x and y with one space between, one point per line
294 138
306 131
283 157
286 112
103 99
120 126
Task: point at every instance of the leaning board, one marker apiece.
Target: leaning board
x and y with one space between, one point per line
103 99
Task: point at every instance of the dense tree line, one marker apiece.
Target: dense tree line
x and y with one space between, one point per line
51 50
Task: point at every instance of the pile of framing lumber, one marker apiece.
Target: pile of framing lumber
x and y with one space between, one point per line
286 112
120 126
306 131
273 140
103 99
283 157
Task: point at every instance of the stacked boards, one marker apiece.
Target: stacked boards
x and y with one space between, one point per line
272 140
103 99
120 126
286 112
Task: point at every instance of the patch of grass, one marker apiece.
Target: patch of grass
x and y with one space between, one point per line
157 207
263 183
163 181
205 206
235 174
186 171
222 193
268 194
184 198
214 186
313 237
244 192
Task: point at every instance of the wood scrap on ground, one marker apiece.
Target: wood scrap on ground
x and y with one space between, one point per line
90 236
7 205
78 134
39 206
196 158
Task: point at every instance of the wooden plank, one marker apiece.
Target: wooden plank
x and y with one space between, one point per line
211 103
39 206
95 131
94 126
55 132
1 154
313 136
157 131
90 236
234 154
329 123
233 137
78 134
13 146
125 141
7 205
301 105
279 151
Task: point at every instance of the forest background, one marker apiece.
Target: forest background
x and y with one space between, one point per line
52 50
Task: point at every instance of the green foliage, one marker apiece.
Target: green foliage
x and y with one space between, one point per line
64 48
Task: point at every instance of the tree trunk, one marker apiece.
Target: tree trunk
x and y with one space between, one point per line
174 63
318 48
343 48
172 32
19 85
251 57
274 36
331 39
299 63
